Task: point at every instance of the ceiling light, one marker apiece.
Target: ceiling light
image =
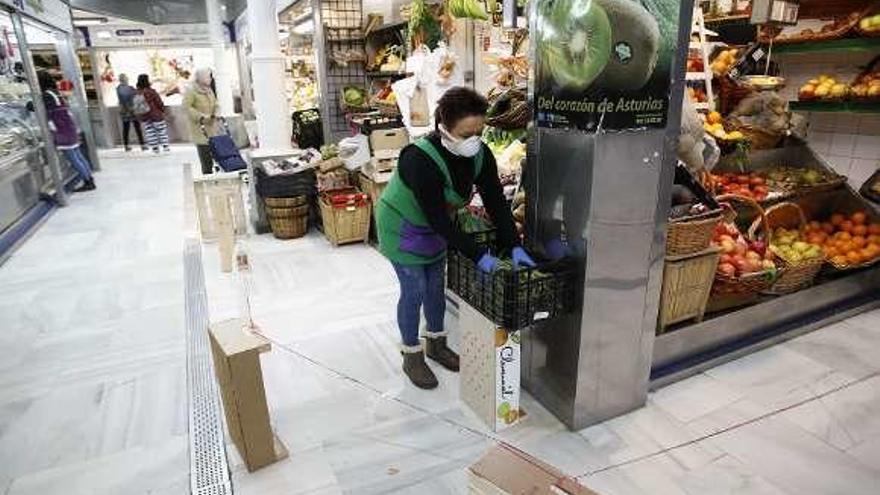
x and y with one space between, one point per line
90 21
104 34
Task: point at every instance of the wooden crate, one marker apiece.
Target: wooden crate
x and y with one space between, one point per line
346 225
687 281
374 189
225 189
490 370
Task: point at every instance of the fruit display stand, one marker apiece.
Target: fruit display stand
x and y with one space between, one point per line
774 315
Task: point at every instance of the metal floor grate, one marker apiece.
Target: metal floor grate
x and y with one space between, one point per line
209 470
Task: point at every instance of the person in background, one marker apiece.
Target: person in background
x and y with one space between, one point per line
125 94
154 121
435 177
64 131
201 103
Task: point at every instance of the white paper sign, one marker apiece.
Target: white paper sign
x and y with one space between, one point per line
507 378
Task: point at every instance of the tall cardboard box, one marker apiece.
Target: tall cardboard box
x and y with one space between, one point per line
505 470
237 368
490 369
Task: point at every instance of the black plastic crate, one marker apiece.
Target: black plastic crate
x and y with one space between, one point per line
308 131
512 299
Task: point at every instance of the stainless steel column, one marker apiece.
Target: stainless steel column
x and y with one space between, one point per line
69 61
40 109
608 195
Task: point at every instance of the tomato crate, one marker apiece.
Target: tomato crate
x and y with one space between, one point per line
513 299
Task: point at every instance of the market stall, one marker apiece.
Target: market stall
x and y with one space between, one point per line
30 168
169 54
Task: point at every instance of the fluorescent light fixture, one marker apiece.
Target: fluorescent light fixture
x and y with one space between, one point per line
90 21
307 27
104 35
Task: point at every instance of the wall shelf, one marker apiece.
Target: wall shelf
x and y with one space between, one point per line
844 45
835 106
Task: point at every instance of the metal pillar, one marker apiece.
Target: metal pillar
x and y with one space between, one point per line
607 194
218 46
267 66
40 110
69 61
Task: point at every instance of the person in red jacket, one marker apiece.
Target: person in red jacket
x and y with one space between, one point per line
155 127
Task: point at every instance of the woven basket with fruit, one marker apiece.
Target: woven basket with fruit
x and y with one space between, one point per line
796 180
826 87
849 242
750 185
869 24
747 266
799 256
867 85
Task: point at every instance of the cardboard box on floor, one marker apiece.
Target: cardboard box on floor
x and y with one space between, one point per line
505 470
237 368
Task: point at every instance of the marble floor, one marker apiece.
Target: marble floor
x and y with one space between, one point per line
92 343
93 385
801 417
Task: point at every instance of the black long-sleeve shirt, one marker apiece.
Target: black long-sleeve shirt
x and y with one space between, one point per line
424 178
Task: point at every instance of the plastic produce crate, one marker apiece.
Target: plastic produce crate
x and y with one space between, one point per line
512 299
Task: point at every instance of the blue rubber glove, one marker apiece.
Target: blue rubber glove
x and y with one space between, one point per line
521 258
487 263
555 249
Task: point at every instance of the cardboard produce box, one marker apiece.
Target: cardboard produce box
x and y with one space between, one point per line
388 139
384 160
505 470
490 369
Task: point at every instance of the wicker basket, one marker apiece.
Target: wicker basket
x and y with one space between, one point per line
285 202
290 222
868 12
730 93
345 223
516 116
734 291
759 139
690 235
792 277
386 108
687 281
768 35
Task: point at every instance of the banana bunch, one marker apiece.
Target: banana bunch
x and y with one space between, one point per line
470 9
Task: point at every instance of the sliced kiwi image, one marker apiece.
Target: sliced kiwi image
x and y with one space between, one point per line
574 41
635 45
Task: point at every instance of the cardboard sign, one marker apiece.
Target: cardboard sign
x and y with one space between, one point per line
507 378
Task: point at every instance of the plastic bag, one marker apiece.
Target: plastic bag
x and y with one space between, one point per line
354 151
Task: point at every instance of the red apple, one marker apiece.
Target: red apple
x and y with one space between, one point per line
727 269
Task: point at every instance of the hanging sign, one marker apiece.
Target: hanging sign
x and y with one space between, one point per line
604 63
167 35
55 13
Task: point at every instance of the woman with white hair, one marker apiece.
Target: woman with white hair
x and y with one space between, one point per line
201 103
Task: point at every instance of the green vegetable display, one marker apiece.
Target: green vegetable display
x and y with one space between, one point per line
498 140
466 9
329 151
574 40
354 96
422 28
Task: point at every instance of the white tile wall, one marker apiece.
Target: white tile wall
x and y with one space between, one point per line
849 142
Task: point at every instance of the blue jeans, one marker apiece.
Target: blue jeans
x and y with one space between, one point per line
420 286
79 162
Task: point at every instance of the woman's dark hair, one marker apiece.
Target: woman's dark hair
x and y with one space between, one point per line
143 81
46 81
458 103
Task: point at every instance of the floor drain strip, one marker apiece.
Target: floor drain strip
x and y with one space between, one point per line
209 470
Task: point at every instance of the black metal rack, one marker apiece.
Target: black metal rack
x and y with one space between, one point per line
342 23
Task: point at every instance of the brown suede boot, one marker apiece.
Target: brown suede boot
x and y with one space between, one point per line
417 369
436 349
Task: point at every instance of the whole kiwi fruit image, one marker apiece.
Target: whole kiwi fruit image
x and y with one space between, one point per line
574 42
635 45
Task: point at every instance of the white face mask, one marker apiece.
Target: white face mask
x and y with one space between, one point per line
468 147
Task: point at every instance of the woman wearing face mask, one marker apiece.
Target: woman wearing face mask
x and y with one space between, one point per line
435 177
201 104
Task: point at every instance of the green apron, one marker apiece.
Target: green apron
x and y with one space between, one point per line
405 237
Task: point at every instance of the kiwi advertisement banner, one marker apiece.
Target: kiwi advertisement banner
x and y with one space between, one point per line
604 63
